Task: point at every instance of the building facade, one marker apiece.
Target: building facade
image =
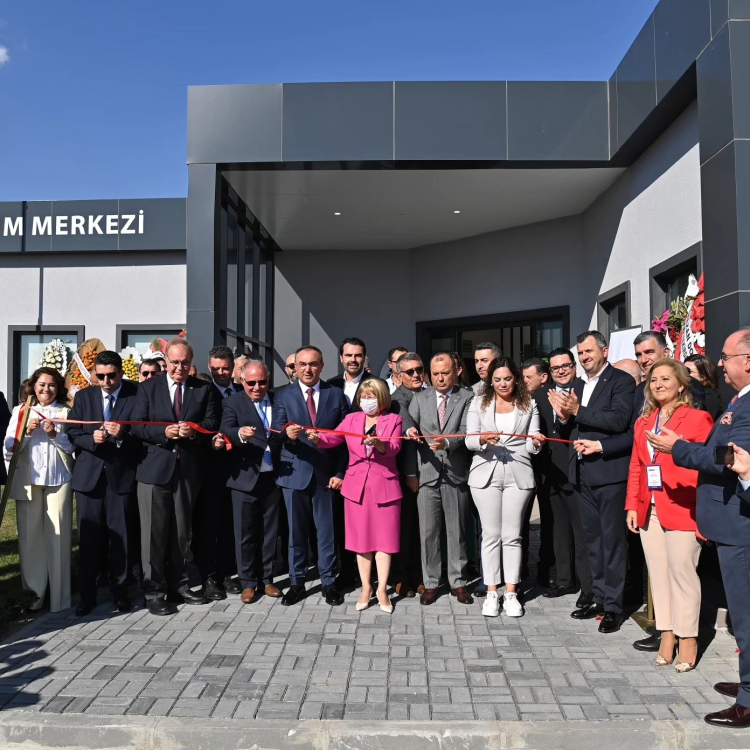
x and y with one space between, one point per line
428 215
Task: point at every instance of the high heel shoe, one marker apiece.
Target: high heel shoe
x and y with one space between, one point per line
662 662
684 666
388 608
360 606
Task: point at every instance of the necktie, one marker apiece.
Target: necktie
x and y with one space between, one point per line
108 408
441 410
311 406
262 412
228 392
178 401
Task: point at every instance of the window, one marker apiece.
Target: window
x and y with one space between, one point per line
669 280
140 337
613 309
27 344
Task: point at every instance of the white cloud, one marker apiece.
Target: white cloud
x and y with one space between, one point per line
4 55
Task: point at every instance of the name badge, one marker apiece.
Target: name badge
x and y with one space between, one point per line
653 476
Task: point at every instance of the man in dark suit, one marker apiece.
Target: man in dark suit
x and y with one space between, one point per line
107 457
245 422
352 353
723 512
407 564
599 406
171 474
308 476
213 532
569 540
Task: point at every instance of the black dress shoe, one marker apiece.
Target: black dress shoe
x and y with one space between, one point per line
192 597
652 643
610 622
589 612
293 595
730 689
158 606
543 579
557 591
213 591
123 604
85 607
734 717
333 596
232 585
584 600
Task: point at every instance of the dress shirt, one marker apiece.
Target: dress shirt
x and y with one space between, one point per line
173 387
47 467
223 389
264 409
114 396
316 395
589 383
350 387
439 397
744 484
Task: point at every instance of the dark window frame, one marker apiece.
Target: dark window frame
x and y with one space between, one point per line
14 353
609 299
660 275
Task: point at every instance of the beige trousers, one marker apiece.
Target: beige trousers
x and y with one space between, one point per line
45 529
672 559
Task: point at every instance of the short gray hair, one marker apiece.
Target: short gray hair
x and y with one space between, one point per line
601 342
655 335
179 341
745 338
494 348
250 362
408 357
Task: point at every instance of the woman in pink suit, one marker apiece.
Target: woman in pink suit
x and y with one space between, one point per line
372 511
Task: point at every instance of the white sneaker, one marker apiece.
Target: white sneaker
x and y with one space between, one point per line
491 606
511 606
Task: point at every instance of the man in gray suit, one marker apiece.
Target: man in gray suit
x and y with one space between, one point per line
443 468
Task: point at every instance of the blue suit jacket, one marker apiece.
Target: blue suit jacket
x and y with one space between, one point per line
300 459
723 516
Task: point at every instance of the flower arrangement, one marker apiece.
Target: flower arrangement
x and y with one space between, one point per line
131 359
55 355
78 379
684 322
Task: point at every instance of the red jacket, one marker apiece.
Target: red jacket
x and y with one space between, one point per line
675 503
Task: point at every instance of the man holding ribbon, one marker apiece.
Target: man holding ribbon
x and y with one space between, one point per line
171 473
246 423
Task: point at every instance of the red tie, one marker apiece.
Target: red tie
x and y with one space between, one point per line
311 406
178 402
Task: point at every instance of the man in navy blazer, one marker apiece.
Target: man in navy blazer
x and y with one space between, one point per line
723 512
308 476
599 407
107 456
256 499
170 476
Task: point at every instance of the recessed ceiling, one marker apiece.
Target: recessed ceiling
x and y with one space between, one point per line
401 209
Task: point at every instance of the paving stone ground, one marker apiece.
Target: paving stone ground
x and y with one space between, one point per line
311 661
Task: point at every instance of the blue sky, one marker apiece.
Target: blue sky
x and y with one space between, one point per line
93 95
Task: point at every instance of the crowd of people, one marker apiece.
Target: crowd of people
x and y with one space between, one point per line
370 475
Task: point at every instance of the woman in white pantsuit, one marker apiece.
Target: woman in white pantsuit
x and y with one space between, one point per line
501 478
41 489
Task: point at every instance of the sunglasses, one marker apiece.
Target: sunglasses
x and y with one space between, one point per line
414 371
253 383
289 367
150 373
106 375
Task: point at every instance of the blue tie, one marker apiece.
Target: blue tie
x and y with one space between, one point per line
108 408
267 453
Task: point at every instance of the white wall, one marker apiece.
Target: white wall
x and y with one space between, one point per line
98 292
652 212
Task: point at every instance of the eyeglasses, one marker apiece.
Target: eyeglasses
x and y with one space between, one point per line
253 383
180 365
150 373
107 375
413 371
724 357
558 368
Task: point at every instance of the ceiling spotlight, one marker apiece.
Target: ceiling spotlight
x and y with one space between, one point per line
456 212
337 213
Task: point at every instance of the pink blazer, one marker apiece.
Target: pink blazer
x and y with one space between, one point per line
377 471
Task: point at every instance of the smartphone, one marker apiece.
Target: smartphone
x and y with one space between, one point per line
724 455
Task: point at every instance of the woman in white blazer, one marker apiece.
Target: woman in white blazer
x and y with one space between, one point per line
41 489
501 478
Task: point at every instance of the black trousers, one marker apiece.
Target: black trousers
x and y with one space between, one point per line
213 529
571 552
256 526
103 517
407 564
546 534
603 519
166 512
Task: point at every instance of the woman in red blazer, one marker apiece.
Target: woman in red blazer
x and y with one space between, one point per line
660 507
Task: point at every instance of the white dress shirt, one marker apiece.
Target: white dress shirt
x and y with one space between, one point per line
316 395
350 386
173 385
113 396
47 467
264 406
589 383
440 401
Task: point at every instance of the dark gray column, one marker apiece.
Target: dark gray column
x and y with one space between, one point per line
723 71
202 246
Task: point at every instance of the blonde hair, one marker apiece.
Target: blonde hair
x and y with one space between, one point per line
379 389
682 375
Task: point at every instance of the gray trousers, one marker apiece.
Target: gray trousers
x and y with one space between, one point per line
166 512
434 502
